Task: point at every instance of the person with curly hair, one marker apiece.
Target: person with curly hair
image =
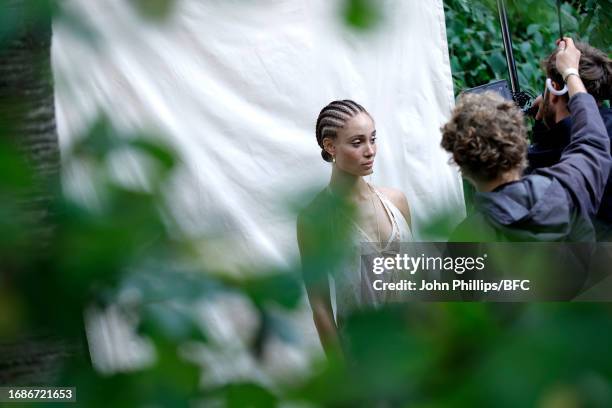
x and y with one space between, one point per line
552 129
486 136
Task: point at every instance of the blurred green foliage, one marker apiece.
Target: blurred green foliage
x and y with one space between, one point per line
154 10
121 239
475 40
361 14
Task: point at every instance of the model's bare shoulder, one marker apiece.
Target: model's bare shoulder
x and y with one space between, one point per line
313 234
313 219
314 208
398 198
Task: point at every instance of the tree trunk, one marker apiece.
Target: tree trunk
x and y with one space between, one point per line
27 120
26 85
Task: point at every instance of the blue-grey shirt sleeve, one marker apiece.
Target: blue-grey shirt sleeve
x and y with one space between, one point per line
585 163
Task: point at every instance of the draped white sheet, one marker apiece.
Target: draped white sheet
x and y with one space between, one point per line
236 86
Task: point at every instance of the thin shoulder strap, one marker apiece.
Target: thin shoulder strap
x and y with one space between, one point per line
385 202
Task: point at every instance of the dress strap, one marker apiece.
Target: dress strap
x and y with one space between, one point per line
390 214
385 203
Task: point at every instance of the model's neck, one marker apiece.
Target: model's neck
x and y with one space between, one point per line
488 186
348 185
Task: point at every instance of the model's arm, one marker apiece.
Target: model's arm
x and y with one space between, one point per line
585 163
317 288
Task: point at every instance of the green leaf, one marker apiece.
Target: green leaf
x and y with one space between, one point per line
532 28
170 322
244 394
497 62
361 14
161 152
154 10
283 288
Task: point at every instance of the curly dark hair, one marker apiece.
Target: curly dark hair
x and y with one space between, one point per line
595 70
486 136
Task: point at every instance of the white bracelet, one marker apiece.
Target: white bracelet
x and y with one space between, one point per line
568 72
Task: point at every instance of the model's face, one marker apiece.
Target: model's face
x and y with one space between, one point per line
355 145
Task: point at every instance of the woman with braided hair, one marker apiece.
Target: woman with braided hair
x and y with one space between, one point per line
348 211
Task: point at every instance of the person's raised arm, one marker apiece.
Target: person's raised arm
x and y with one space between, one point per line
567 61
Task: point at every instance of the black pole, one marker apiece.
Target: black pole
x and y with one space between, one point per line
503 19
559 16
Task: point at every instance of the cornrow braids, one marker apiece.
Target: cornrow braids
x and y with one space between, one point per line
333 117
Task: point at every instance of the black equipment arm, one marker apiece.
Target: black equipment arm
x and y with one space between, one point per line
503 19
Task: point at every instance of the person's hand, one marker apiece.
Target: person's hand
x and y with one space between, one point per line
568 56
568 59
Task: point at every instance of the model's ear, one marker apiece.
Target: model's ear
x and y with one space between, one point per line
328 145
554 98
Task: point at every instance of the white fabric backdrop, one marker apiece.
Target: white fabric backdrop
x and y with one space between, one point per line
236 87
